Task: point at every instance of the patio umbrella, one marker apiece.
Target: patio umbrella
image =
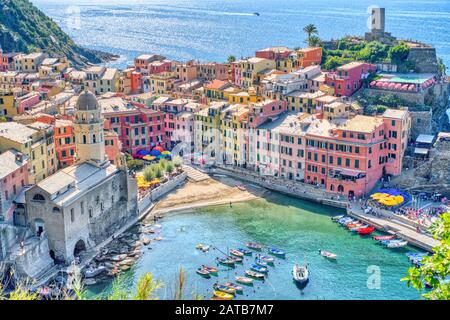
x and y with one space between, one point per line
159 148
166 152
155 153
149 158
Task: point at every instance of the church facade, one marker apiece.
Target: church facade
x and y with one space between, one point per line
81 205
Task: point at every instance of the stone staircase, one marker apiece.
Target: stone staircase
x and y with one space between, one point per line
195 174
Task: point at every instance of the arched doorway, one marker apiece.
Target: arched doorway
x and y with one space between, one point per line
351 193
39 225
340 188
80 246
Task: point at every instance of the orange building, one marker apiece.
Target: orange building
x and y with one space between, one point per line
309 57
64 142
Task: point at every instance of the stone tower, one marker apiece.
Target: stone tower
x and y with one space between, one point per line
88 129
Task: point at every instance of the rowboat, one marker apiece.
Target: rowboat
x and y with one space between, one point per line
227 262
224 288
260 269
254 274
267 259
336 218
277 252
354 224
236 253
300 274
241 187
355 229
203 272
398 244
245 251
345 220
379 238
368 230
261 263
237 287
244 280
254 245
327 254
386 242
223 296
416 255
236 259
210 269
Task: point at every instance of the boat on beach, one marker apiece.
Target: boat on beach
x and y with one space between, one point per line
244 280
328 255
300 274
254 245
277 252
255 274
236 253
241 187
223 295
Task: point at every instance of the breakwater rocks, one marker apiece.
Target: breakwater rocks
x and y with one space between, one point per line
121 253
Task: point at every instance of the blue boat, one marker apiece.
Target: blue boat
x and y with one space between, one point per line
277 252
267 259
259 269
261 263
245 251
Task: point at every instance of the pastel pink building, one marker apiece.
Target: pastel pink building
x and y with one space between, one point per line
260 112
13 178
347 79
26 102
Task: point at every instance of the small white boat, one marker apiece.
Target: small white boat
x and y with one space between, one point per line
300 274
398 244
328 255
336 218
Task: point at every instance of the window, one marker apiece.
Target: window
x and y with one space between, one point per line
347 162
72 215
38 197
357 164
82 207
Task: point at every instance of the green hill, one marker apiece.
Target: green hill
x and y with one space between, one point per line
24 28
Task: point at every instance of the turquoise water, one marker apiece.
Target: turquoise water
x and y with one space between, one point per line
214 29
300 228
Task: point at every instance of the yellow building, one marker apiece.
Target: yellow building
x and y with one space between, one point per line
52 67
162 83
7 107
37 143
219 90
288 64
243 97
29 62
7 80
250 69
300 101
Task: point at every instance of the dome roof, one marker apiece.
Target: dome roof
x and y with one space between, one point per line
87 101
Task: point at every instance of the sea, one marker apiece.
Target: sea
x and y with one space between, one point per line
212 30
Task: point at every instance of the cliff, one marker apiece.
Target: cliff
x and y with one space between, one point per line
24 28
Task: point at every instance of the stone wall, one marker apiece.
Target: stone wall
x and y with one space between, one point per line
424 59
421 123
35 259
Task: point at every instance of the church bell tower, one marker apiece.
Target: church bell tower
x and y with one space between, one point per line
88 129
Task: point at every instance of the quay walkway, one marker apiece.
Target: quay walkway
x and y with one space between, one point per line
383 220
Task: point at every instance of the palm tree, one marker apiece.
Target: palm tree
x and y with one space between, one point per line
310 30
231 59
314 41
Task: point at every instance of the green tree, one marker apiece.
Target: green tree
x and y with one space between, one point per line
442 68
314 41
398 53
373 52
310 30
231 59
332 63
435 269
135 164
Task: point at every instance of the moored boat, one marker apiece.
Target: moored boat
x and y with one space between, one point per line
203 272
328 255
223 295
254 245
398 244
245 251
255 274
244 280
379 238
336 218
261 263
236 253
237 287
277 252
300 274
227 262
225 288
362 226
267 259
236 259
259 269
368 230
210 269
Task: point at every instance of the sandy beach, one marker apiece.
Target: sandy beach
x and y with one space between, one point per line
209 192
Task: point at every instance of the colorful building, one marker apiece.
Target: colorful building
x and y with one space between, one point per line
309 56
64 143
347 79
248 70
